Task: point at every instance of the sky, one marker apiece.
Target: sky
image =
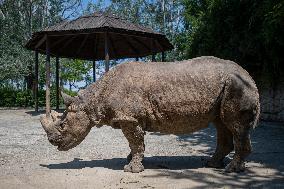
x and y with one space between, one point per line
85 2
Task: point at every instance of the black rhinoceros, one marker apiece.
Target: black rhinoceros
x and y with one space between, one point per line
167 97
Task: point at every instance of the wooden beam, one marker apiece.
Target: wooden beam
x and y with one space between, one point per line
36 82
82 44
68 42
157 44
57 42
57 82
94 71
131 46
152 50
143 44
121 32
95 47
47 78
41 42
112 46
106 52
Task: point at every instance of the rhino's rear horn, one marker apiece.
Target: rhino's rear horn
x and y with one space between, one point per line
67 99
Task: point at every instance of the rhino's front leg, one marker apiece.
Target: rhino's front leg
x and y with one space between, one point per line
135 136
129 157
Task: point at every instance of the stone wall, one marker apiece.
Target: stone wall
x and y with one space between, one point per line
272 103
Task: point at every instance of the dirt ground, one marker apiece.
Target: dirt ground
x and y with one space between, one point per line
27 160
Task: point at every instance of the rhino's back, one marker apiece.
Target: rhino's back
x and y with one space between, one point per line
168 97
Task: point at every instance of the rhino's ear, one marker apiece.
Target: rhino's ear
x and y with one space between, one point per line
67 99
80 95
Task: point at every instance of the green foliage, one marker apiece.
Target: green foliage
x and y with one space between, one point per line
18 19
248 32
74 71
163 16
12 97
71 93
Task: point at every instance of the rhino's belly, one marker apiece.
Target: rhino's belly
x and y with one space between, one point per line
178 125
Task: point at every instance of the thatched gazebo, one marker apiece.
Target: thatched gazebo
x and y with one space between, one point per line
94 37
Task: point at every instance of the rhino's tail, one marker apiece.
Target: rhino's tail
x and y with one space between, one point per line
256 114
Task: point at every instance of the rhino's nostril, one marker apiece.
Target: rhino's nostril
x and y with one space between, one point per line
55 140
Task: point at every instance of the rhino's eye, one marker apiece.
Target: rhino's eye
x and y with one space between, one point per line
62 125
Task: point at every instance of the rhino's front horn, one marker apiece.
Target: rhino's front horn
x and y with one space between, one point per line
49 126
67 99
55 115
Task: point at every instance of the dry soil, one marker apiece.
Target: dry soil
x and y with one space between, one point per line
28 160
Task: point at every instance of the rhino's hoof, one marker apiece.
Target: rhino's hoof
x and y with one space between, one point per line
215 164
234 166
134 167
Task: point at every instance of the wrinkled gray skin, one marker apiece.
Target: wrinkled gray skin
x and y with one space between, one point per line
171 98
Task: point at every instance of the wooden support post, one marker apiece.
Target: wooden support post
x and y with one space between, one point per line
36 82
163 56
106 53
153 58
152 49
47 79
57 82
94 71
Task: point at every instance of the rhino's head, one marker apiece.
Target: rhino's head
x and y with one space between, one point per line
69 129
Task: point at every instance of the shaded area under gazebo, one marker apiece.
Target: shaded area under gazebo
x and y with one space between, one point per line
94 37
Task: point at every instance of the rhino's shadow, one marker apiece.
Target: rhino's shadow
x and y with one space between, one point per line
155 162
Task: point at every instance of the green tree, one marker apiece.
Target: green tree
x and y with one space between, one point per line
165 16
18 19
74 71
248 32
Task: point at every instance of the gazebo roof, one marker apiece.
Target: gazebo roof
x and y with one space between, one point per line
99 20
84 37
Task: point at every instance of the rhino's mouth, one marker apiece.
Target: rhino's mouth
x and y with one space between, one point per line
62 148
55 140
67 146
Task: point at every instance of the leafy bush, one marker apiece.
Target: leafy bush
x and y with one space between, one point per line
11 97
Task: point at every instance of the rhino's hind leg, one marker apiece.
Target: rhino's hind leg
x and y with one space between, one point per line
242 150
240 124
135 136
239 112
224 145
